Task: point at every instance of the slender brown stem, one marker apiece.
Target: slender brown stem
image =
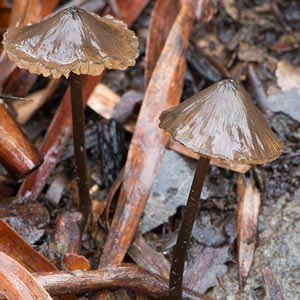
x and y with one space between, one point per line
79 146
179 254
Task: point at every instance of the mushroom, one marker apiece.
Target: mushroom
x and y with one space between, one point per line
70 43
221 121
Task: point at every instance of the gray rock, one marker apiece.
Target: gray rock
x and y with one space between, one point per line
287 102
278 249
171 188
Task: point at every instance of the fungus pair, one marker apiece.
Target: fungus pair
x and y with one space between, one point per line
70 43
219 122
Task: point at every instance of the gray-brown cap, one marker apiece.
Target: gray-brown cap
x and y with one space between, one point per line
72 40
222 121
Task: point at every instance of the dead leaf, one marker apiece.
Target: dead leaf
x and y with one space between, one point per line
17 154
204 267
25 110
128 13
272 288
161 22
250 53
28 218
17 283
74 261
231 9
146 257
247 221
286 43
103 100
13 245
288 76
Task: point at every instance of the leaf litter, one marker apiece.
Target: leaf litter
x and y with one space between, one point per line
232 41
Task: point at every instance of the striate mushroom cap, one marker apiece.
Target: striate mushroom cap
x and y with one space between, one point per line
72 40
222 121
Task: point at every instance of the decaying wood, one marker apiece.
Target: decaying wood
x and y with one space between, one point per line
26 109
129 277
103 100
127 10
272 287
147 258
5 11
204 266
148 142
19 82
24 12
66 242
163 16
17 154
57 138
258 90
17 283
247 221
13 245
66 234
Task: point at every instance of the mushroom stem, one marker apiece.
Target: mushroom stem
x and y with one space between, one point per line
179 253
79 146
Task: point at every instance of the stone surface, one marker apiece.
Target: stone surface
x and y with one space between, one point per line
277 249
286 102
171 189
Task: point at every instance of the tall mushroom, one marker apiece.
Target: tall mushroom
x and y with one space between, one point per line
221 121
70 43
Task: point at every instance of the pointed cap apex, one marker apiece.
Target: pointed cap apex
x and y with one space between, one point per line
221 121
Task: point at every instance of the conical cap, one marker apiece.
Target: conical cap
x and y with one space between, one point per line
222 121
72 40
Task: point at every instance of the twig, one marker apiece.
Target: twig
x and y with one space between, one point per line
129 277
258 90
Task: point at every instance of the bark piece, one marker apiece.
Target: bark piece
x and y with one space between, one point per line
205 266
129 277
146 257
148 142
13 245
128 10
163 16
247 221
17 283
272 287
17 154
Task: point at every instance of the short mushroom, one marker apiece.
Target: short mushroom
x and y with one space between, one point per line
70 43
220 121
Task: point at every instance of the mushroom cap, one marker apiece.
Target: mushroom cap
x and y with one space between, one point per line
72 40
222 121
